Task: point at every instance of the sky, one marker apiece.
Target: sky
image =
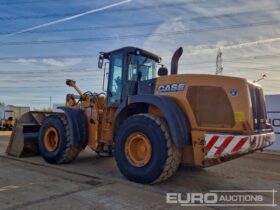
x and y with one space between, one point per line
34 65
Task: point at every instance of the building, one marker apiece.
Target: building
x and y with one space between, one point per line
18 111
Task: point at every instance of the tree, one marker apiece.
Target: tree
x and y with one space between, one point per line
2 103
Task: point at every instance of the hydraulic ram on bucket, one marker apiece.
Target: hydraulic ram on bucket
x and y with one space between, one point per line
24 138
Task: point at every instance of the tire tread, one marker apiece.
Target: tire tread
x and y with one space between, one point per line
174 154
72 151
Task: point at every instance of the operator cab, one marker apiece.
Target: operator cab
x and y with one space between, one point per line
132 71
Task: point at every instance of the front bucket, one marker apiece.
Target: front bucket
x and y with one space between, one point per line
24 138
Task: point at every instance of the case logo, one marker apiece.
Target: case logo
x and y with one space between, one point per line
171 87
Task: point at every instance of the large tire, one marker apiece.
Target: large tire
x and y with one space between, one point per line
62 151
165 157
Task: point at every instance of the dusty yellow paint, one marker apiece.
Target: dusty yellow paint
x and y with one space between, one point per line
242 112
226 83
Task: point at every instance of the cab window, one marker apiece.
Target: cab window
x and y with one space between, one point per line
141 68
115 79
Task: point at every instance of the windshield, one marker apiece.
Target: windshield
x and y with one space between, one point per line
141 68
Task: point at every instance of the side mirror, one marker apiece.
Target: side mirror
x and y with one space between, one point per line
162 71
100 62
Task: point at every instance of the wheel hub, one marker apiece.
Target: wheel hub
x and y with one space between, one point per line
138 149
51 139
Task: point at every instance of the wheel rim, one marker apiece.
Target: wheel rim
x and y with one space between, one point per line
51 139
138 149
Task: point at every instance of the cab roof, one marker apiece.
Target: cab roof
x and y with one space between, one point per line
133 50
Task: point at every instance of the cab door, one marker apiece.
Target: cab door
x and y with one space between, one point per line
115 82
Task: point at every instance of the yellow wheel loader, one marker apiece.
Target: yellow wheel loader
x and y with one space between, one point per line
150 120
8 121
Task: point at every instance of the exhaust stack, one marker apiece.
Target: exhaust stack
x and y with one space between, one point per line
175 59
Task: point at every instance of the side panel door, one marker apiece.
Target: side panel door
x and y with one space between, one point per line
115 82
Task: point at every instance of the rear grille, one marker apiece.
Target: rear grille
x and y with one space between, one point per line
259 108
203 99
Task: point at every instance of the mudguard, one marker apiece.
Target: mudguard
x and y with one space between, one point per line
176 119
78 124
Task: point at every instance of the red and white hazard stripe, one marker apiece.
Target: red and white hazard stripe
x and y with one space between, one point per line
223 145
